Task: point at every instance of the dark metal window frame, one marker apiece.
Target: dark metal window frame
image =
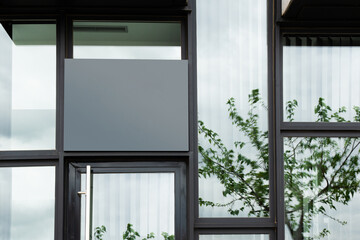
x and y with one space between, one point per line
251 225
32 158
76 166
23 162
278 129
116 18
35 154
303 129
248 231
61 159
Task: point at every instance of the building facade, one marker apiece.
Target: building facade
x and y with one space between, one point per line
185 119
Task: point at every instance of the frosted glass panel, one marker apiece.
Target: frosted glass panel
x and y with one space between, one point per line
145 200
322 199
235 237
232 73
27 203
124 109
324 68
27 86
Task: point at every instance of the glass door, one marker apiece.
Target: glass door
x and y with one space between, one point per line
127 201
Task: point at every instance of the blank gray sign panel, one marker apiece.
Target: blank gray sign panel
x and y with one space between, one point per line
126 105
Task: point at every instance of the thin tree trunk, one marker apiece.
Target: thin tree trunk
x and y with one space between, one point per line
298 233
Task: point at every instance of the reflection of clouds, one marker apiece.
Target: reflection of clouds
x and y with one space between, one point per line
232 61
229 64
5 58
5 203
235 237
30 221
31 202
27 95
127 52
30 130
329 72
5 81
34 77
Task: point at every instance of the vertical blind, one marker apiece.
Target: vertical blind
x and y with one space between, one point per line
145 200
232 61
321 67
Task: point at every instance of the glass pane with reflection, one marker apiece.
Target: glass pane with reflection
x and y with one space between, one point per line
27 203
127 40
322 199
321 78
27 86
144 200
235 237
232 108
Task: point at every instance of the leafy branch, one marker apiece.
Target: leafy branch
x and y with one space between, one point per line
319 173
130 234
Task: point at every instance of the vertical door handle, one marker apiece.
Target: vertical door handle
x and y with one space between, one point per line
87 194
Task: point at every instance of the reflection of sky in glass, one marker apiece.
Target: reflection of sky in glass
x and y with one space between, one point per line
232 61
127 52
330 72
349 213
235 237
27 197
140 40
33 74
145 200
27 84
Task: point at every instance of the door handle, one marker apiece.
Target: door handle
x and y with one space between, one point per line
87 194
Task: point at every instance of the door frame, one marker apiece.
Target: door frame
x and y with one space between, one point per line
141 165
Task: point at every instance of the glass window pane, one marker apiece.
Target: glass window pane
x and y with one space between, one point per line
321 74
235 237
127 40
144 200
322 199
27 86
27 203
232 99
